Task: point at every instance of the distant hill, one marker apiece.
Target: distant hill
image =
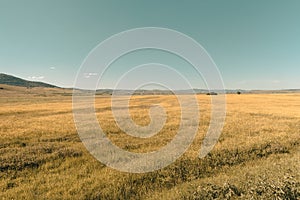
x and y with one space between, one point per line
12 80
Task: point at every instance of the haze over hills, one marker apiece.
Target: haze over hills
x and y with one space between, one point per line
10 80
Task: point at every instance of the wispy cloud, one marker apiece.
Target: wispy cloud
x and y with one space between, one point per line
36 77
88 75
52 68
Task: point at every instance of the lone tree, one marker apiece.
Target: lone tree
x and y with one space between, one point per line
211 93
238 92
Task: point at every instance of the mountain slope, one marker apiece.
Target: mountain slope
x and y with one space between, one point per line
12 80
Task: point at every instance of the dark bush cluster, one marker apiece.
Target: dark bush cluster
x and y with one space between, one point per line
211 191
288 188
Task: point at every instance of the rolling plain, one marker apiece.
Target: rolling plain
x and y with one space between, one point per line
42 157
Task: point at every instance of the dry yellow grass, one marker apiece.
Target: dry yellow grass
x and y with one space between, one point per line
41 155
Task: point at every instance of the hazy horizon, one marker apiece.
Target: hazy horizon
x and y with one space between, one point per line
153 89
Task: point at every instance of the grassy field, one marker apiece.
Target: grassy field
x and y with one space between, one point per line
42 157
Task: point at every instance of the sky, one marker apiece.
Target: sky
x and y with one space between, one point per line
255 44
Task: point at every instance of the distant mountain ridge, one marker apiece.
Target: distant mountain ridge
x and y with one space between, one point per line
15 81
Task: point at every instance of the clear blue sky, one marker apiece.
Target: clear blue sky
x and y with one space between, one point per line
255 44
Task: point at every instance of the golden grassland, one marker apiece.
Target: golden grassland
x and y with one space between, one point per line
41 155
